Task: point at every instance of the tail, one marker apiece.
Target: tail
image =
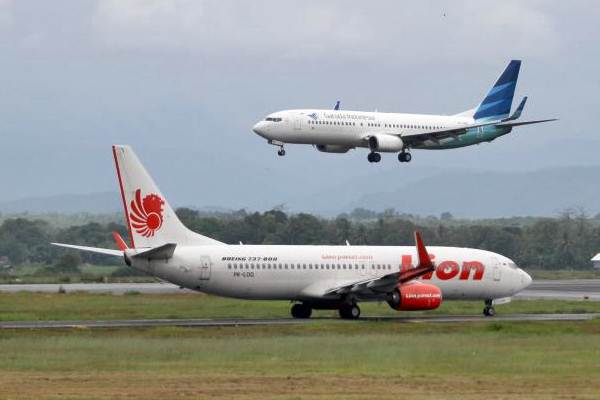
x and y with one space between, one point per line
150 219
497 103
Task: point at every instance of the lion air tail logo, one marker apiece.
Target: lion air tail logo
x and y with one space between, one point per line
146 214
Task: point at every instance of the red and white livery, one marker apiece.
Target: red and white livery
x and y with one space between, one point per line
313 277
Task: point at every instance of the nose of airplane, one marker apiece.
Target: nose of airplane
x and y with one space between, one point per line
259 128
525 280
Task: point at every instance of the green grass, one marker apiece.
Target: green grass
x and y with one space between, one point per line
321 360
77 306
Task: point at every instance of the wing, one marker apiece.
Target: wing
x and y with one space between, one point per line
453 132
386 283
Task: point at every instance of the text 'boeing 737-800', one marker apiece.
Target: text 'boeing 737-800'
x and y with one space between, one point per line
313 277
337 131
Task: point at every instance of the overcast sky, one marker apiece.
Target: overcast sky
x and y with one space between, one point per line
184 81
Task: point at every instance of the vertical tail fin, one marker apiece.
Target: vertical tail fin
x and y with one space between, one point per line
150 219
497 103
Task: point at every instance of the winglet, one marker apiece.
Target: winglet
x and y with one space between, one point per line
337 105
518 110
424 259
424 266
121 245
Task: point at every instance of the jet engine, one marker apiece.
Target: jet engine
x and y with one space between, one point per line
332 148
413 296
386 143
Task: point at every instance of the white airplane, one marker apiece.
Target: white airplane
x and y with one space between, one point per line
313 277
337 131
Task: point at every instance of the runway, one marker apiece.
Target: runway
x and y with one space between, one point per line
576 289
208 323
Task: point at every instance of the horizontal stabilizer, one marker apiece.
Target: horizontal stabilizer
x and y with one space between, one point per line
98 250
158 253
539 121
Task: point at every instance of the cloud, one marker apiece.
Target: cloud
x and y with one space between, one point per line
275 30
6 14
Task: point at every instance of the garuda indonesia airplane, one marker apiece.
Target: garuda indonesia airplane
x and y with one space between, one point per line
312 277
337 131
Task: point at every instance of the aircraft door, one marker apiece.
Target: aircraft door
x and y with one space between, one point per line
297 123
497 273
205 266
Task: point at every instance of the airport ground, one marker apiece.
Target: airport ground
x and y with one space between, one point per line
323 359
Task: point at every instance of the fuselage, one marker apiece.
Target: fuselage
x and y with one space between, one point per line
306 273
349 129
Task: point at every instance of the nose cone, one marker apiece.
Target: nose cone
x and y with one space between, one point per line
525 280
260 129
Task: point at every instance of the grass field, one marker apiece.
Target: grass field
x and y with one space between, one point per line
77 306
325 359
322 360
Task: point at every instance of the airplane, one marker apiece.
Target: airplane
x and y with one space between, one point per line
311 277
337 131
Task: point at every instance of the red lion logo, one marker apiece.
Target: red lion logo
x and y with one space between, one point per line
146 215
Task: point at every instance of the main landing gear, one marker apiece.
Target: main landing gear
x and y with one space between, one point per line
404 156
281 152
374 157
301 310
350 311
346 310
489 310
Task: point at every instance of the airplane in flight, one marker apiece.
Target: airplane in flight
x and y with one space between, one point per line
337 131
312 277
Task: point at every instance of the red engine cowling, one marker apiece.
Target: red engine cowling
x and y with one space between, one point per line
414 296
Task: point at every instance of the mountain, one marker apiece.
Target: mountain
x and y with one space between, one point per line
97 203
422 191
544 192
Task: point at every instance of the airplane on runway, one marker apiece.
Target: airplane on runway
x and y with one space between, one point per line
312 277
337 131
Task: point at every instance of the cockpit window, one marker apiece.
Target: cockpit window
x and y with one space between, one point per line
273 119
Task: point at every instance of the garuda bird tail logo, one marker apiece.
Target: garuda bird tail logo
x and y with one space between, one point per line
146 215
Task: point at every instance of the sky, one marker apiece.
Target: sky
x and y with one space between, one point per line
183 82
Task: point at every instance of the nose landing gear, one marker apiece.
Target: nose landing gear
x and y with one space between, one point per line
281 151
489 310
374 157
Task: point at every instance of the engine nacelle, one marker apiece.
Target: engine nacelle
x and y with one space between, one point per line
414 296
386 143
332 148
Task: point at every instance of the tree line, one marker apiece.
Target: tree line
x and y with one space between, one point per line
565 241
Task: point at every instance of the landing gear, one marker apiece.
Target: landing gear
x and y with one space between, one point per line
489 310
404 156
374 157
301 310
281 151
349 311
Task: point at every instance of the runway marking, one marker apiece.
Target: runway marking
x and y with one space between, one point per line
207 323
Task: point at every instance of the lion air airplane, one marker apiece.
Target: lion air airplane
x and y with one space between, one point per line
336 131
313 277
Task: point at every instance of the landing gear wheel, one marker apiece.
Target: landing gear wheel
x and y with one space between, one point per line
281 152
489 311
374 157
404 157
350 312
301 311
